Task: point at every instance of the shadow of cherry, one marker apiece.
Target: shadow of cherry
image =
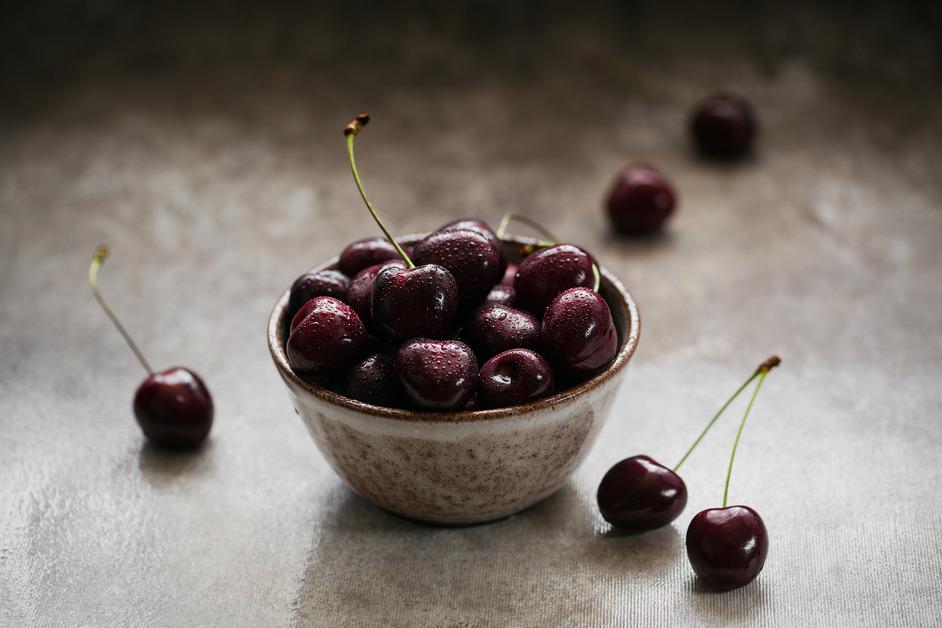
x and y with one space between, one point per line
657 242
163 466
717 605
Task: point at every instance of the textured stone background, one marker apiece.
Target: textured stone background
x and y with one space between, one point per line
204 145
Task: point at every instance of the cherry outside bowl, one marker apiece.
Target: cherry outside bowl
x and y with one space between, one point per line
465 467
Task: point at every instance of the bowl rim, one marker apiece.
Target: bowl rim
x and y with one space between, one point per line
280 357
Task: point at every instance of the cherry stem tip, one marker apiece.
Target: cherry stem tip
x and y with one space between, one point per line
769 364
101 254
356 125
350 131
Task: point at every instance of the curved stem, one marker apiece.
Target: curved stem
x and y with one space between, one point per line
765 367
100 255
742 424
526 220
553 240
351 131
713 420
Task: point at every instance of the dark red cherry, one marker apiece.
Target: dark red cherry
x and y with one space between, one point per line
412 302
365 253
502 294
514 377
475 224
727 547
641 200
174 408
509 275
639 494
302 312
323 283
578 335
436 374
326 337
546 273
495 328
371 381
469 256
723 126
360 294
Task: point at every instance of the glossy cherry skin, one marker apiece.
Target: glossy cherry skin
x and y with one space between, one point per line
546 273
360 293
641 200
475 224
413 302
371 381
495 328
578 334
723 126
469 256
727 547
326 337
502 294
639 494
174 408
323 283
514 377
436 374
365 253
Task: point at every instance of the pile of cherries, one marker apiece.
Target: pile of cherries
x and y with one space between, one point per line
449 324
399 328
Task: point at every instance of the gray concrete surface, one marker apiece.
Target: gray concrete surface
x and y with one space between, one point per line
204 145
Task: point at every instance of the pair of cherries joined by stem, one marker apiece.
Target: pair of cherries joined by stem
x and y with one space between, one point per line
173 407
726 546
530 325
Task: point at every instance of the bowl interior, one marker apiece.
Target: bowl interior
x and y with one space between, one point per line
622 305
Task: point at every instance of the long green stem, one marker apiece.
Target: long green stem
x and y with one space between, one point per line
714 419
553 240
742 424
350 132
765 367
100 255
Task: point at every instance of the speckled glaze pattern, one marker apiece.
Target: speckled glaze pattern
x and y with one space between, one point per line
460 468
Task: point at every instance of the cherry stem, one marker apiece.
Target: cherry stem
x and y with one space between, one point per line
100 255
350 131
769 364
742 424
553 240
512 217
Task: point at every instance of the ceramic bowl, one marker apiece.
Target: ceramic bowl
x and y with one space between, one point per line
457 468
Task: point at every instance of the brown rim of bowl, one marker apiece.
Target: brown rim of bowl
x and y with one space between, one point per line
280 358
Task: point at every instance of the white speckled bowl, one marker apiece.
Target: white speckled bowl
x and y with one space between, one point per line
458 468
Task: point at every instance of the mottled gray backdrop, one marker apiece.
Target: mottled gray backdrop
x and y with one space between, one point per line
203 143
